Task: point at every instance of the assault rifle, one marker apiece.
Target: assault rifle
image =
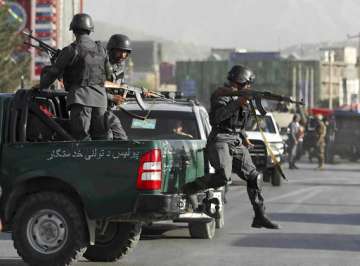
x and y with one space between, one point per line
257 96
51 51
125 89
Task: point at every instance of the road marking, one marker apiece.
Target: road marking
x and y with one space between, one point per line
309 194
297 192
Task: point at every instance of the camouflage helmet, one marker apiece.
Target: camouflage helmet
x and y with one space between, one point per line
119 41
82 21
241 74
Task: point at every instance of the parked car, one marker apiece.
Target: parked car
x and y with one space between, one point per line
347 130
259 154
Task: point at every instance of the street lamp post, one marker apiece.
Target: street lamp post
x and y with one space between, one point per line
330 80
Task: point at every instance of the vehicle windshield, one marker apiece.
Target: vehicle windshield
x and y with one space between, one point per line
266 124
160 125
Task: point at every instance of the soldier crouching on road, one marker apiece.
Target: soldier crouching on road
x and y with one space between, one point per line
83 65
227 150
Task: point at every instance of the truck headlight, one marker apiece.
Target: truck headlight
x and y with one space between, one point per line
277 147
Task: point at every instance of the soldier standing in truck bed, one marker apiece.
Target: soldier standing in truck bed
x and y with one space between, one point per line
83 65
119 50
227 149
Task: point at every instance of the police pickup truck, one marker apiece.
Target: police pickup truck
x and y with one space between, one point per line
259 154
182 120
61 196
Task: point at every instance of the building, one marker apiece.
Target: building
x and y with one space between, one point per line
146 57
339 76
297 78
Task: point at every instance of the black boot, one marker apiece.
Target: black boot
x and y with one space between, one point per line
263 221
260 219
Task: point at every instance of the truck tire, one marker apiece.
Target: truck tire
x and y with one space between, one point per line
267 175
202 230
119 239
49 230
220 222
276 178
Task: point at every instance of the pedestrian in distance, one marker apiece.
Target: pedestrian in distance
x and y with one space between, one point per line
227 149
293 129
83 66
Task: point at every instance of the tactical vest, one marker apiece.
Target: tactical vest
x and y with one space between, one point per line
88 65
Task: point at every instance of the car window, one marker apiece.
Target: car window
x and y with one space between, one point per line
160 125
266 124
205 122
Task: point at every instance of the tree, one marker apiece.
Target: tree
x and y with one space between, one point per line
14 61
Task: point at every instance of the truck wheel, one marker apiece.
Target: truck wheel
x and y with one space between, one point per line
276 178
267 175
119 239
49 230
203 230
220 222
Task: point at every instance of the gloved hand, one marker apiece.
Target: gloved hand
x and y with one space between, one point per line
118 99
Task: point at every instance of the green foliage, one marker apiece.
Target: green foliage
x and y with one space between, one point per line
14 61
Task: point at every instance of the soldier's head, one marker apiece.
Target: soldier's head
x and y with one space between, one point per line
81 24
119 48
241 77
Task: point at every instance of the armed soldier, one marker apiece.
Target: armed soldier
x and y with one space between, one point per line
227 149
118 49
83 65
320 130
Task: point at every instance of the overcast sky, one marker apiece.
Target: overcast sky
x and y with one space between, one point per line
251 24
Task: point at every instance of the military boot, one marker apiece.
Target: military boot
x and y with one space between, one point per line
260 219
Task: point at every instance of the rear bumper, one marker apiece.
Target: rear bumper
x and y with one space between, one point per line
157 207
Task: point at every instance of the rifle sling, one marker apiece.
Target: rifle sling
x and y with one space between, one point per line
272 155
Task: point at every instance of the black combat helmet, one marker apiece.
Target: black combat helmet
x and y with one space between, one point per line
82 21
119 41
241 74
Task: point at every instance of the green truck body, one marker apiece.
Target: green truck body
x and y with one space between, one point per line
108 181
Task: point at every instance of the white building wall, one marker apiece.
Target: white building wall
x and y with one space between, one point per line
68 8
349 94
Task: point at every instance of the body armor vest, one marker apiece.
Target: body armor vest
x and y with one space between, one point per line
88 66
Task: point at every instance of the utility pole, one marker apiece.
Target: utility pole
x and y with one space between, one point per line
330 79
329 57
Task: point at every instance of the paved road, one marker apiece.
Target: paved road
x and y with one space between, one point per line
319 212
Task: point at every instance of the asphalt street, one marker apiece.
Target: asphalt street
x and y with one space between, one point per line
319 214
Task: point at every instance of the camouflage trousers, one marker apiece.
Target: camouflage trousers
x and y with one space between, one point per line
320 152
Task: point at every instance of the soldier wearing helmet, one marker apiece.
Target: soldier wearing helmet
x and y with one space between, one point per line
227 146
118 49
84 67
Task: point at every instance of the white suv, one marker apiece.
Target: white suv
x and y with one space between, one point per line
259 154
